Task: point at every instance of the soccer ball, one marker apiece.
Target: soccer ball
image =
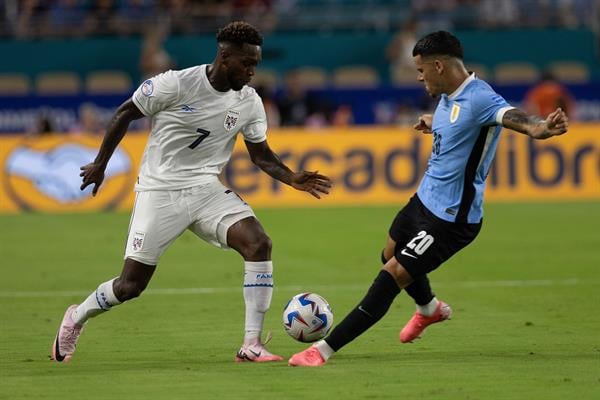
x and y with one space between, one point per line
307 317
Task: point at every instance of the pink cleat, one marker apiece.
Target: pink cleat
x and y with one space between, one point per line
66 338
417 324
310 357
256 352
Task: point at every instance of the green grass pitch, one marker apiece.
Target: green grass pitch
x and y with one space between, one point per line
525 297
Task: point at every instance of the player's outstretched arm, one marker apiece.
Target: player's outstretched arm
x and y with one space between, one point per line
555 124
311 182
94 171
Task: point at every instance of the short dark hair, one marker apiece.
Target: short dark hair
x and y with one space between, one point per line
239 32
440 43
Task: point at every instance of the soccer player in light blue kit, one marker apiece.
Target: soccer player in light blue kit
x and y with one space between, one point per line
446 213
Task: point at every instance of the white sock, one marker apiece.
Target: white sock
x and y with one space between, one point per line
258 290
325 350
101 300
429 308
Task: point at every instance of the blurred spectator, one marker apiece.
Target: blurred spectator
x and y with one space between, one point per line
208 14
296 107
465 13
343 116
260 13
316 120
26 18
498 14
273 117
89 122
406 115
29 18
575 13
43 124
178 14
434 15
102 17
399 53
67 17
154 58
401 114
383 112
547 95
133 16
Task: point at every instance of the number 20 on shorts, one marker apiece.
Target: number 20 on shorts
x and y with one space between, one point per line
420 243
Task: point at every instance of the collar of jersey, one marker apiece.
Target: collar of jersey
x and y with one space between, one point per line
462 87
209 86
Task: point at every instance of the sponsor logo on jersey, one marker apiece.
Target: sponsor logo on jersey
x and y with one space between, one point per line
454 112
187 109
147 87
231 119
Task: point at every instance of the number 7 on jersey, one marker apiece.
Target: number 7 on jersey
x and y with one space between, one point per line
203 135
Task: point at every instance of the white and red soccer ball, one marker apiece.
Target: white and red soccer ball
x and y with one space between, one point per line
307 317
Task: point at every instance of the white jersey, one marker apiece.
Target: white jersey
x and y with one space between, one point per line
194 128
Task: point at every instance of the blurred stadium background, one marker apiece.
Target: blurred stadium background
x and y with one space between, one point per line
329 66
341 96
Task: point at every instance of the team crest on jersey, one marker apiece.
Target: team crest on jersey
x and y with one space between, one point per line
454 112
147 87
138 241
231 119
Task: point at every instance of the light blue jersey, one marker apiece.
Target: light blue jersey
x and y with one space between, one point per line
466 128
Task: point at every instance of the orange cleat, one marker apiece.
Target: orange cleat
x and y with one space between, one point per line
310 357
417 324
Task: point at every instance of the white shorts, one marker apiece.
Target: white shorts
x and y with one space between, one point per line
160 217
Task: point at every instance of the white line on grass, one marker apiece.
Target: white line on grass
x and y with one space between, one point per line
315 288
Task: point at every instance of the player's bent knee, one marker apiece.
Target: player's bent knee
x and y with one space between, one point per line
264 244
127 290
400 274
259 248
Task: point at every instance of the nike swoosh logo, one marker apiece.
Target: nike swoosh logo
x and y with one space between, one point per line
57 351
255 353
406 253
360 308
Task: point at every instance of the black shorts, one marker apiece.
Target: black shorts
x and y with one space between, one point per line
424 241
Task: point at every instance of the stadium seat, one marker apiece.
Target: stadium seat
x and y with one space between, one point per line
311 77
355 76
516 73
570 71
14 85
58 83
481 71
105 82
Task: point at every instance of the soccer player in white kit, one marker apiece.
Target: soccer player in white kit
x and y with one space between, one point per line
196 116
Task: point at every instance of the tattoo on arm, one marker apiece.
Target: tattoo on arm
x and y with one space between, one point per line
519 121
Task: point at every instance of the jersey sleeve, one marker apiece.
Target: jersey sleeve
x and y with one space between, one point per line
256 130
488 107
157 93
